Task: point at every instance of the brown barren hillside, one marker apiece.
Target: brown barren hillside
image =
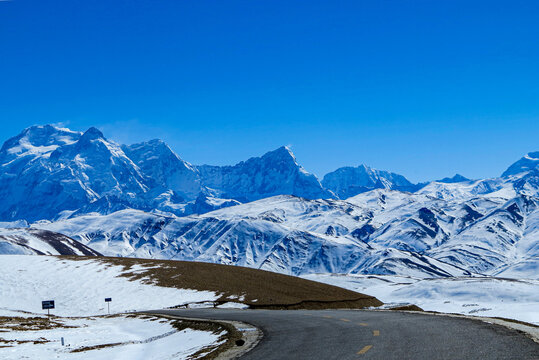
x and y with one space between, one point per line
256 288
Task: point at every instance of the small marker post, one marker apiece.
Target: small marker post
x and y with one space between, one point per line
108 300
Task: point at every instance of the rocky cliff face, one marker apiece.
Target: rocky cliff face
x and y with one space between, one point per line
346 182
275 173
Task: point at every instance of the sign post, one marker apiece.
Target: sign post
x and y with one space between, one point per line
48 304
108 300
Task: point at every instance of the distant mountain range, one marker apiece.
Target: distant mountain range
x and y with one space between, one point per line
268 212
51 173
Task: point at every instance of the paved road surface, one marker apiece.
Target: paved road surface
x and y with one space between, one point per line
349 334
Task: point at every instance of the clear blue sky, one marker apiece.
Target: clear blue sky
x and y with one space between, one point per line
423 88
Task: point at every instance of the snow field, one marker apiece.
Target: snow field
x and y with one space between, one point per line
481 296
79 288
140 338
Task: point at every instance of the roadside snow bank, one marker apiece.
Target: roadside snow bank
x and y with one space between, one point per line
135 338
79 288
481 296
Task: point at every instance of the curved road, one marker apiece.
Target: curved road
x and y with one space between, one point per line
353 334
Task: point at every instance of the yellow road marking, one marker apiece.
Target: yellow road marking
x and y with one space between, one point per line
364 350
376 333
363 324
327 316
345 320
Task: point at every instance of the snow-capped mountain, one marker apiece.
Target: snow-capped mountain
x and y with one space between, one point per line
349 181
143 200
275 173
51 173
378 232
165 170
47 173
457 178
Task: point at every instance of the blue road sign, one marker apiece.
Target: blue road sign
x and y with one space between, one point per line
48 304
108 299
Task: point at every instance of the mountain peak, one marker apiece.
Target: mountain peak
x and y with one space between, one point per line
92 134
156 142
43 133
150 145
281 152
528 162
455 179
37 140
274 173
282 155
365 168
532 155
350 181
151 150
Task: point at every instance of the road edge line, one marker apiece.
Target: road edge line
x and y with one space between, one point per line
531 332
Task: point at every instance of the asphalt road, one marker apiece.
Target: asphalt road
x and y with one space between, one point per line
352 334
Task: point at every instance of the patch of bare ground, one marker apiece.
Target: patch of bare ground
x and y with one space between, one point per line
228 333
96 347
517 322
407 308
9 324
229 336
258 289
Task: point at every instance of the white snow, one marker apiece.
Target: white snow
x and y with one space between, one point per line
14 224
79 287
480 296
140 338
232 305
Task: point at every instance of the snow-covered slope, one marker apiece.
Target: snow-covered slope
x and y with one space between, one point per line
79 287
123 233
462 191
349 181
479 296
40 242
284 234
89 338
504 237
